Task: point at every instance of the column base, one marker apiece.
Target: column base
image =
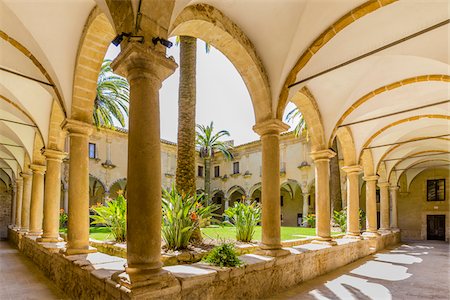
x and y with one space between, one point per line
34 233
395 229
134 278
370 234
49 240
384 231
323 241
74 251
273 252
270 246
353 236
23 231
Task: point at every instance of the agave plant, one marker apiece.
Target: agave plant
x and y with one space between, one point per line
181 216
244 217
114 216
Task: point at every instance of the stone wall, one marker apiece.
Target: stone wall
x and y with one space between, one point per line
90 276
5 213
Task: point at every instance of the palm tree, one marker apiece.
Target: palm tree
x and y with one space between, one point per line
185 179
208 143
301 128
111 102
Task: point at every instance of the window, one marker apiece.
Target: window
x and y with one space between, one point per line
200 171
92 150
436 190
236 167
377 196
216 171
281 201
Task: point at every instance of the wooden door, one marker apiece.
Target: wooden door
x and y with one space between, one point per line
436 227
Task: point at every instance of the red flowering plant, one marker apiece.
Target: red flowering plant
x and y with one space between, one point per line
181 216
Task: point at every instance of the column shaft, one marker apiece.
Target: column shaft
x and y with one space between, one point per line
37 200
18 212
394 214
323 205
52 196
352 200
26 201
145 70
371 204
384 206
14 202
305 209
78 222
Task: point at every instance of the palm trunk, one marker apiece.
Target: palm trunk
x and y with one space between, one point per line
208 179
335 181
185 173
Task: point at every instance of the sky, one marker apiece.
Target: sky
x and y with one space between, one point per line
222 96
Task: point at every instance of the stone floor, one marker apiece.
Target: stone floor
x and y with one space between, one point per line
21 279
414 270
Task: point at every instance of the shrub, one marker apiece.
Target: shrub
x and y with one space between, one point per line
223 256
114 216
63 218
311 220
340 219
181 216
244 217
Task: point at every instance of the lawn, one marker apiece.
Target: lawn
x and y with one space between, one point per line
217 232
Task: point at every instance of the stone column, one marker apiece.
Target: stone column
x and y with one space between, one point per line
66 198
384 206
305 208
14 202
19 195
394 193
353 172
145 68
26 199
371 205
323 206
52 196
78 223
37 200
270 183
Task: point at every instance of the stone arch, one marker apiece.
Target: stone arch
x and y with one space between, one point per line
421 162
347 145
307 105
367 162
412 156
255 187
218 197
346 20
118 185
410 182
367 97
95 40
97 190
211 25
381 172
235 188
410 119
56 136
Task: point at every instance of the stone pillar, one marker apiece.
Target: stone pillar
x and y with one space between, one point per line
14 202
270 184
26 201
37 200
353 172
305 208
145 68
323 206
78 223
371 205
394 193
19 196
52 196
66 198
384 206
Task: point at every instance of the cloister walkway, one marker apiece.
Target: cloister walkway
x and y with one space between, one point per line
414 270
21 279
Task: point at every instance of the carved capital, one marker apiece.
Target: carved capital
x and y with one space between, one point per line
350 170
55 155
272 126
38 169
77 128
322 155
371 178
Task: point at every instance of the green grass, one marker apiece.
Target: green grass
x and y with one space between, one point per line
217 232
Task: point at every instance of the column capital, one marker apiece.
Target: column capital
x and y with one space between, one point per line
26 175
19 179
137 61
383 184
75 127
271 126
39 169
352 169
371 178
56 155
320 155
394 187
